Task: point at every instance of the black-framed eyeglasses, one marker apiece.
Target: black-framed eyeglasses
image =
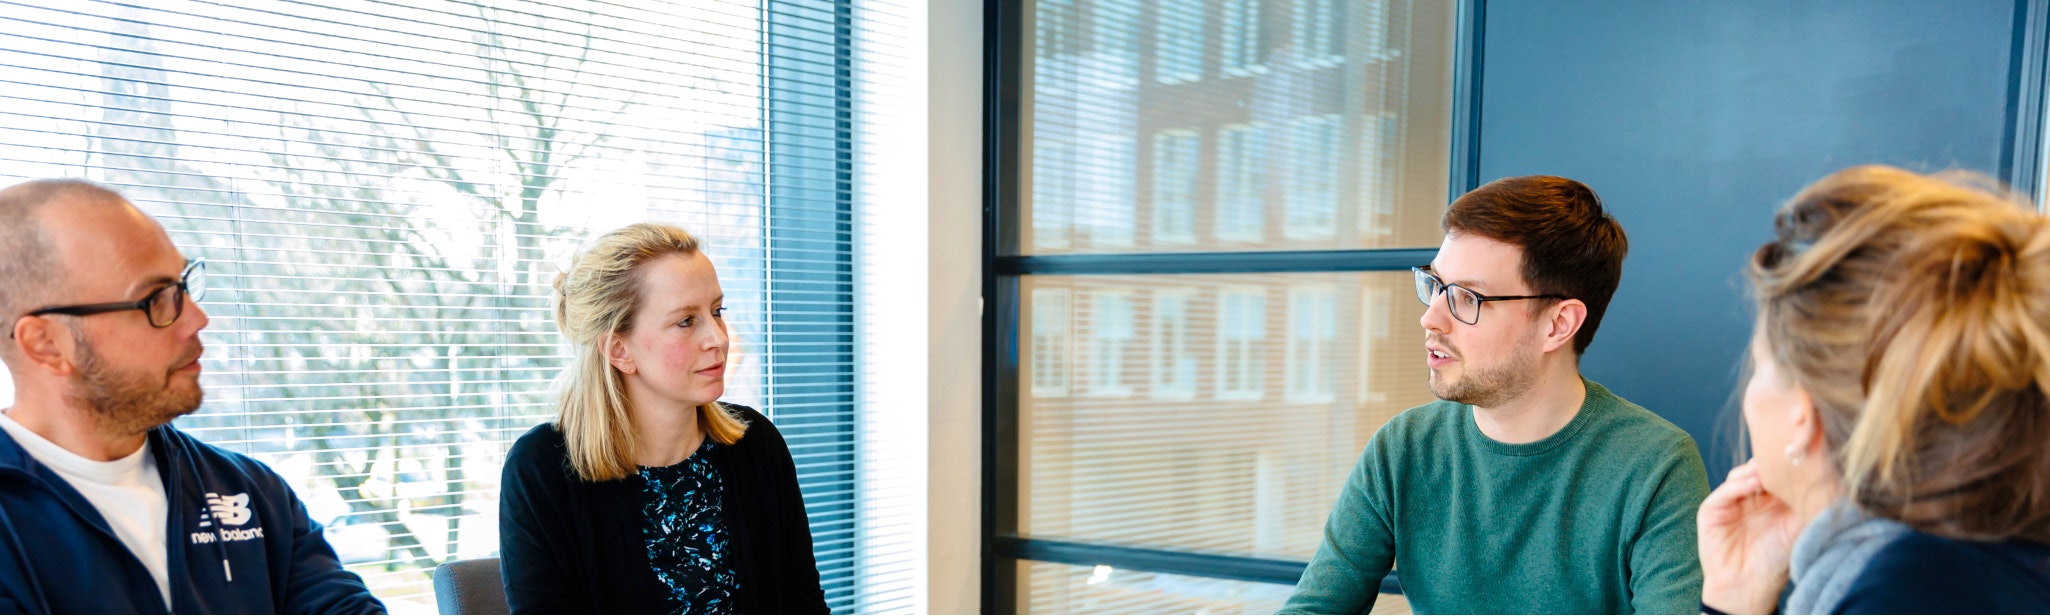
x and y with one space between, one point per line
1464 303
163 305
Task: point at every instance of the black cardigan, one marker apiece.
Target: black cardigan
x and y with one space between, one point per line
569 546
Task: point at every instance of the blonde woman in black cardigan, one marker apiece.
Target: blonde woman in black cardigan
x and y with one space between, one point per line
647 495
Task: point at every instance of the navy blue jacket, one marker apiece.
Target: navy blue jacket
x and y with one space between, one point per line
252 550
1920 573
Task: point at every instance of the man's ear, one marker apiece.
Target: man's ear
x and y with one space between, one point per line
45 344
617 354
1564 320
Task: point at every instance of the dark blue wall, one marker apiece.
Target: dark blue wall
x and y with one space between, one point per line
1695 120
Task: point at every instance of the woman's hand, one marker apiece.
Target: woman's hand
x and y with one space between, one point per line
1747 536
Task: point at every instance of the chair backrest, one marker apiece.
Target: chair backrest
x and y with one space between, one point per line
470 587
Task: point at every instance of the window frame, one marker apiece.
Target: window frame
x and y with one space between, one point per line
799 61
1005 107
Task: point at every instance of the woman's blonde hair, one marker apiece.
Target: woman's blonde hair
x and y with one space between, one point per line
1913 310
595 301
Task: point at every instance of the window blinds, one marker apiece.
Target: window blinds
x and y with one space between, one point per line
385 190
1209 412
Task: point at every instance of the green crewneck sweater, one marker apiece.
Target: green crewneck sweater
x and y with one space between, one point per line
1595 519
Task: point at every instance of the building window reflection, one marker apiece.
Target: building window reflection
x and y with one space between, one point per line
1110 332
1319 34
1243 45
1174 364
1114 42
1312 329
1380 135
1055 36
1104 202
1176 161
1053 193
1375 21
1178 42
1376 318
1241 183
1049 343
1312 189
1241 337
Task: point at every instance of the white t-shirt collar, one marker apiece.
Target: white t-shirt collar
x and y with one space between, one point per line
117 471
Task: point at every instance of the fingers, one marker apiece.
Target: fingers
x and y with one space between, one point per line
1727 501
1747 469
1743 481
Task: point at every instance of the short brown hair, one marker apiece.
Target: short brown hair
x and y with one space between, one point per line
1571 246
1915 311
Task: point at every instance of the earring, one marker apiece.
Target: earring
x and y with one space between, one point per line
1794 454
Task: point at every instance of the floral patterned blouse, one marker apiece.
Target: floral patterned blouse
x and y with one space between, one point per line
684 526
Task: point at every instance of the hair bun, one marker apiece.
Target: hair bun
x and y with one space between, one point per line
1915 310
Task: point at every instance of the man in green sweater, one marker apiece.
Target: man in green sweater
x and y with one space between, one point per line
1526 488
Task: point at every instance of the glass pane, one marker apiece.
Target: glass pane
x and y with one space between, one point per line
1052 588
1209 413
1184 125
384 190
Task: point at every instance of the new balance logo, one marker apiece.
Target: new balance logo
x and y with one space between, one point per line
231 510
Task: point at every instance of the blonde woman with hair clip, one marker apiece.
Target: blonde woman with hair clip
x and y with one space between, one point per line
647 494
1898 407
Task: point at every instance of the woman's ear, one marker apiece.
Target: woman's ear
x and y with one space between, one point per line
617 353
1804 418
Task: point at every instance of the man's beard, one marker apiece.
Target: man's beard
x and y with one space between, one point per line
1492 386
128 403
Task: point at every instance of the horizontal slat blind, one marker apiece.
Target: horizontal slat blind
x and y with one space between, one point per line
386 189
1216 125
1245 397
1213 413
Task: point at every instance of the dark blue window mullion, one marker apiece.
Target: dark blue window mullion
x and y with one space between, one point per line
1003 52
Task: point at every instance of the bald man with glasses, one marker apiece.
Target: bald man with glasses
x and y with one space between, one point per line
104 506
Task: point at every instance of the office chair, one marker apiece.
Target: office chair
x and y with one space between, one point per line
470 587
